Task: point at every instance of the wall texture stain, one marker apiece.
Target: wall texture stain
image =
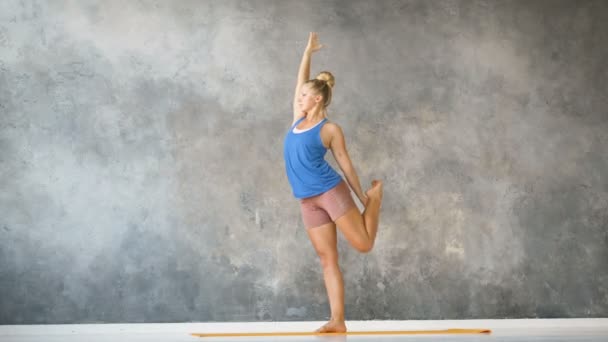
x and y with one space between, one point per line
142 179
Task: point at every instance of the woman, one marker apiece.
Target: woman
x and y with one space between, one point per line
325 198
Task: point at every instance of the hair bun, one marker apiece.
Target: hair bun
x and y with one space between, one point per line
327 77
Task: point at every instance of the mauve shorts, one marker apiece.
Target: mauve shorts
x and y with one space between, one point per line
326 207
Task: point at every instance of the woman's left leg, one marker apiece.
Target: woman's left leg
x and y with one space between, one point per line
324 240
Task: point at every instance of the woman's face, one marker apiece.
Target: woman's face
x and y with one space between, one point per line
308 99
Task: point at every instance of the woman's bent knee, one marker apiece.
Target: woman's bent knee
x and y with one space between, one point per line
364 247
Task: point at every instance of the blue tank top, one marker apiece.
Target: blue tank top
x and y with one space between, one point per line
307 170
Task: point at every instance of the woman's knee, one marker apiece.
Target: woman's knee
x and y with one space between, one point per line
328 259
364 246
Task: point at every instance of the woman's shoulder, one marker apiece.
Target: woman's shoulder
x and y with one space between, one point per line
332 127
331 124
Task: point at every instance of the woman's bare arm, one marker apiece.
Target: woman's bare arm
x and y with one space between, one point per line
303 75
304 71
338 149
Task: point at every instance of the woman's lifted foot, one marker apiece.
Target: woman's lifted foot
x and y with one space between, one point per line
333 326
376 190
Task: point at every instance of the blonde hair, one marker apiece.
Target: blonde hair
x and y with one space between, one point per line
323 85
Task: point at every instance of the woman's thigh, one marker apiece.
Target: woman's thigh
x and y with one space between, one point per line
352 227
324 240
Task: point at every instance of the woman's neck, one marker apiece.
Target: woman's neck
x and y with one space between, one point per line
315 115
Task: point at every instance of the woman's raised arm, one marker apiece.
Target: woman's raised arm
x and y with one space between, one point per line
304 71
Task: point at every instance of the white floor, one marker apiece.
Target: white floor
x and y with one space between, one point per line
512 330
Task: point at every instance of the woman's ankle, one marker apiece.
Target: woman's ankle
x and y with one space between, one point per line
337 318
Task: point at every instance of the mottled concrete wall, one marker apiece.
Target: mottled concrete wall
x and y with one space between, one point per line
142 177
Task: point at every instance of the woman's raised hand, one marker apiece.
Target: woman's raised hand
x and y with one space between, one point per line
313 43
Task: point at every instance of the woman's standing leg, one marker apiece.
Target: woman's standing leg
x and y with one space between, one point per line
324 240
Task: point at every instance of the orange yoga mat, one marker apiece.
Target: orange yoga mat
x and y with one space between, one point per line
388 332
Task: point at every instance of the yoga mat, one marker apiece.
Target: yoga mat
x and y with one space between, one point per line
388 332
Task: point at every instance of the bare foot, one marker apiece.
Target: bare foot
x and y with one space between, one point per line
332 326
376 190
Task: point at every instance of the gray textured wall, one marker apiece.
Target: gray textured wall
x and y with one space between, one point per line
142 176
